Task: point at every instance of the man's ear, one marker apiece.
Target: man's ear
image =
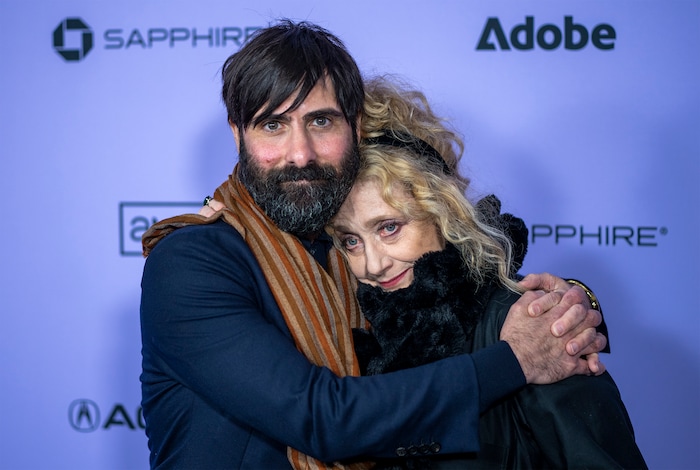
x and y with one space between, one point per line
236 135
358 127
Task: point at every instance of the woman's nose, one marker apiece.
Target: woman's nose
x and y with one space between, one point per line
376 260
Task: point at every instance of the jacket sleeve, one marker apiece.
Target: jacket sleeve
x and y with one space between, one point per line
210 325
581 422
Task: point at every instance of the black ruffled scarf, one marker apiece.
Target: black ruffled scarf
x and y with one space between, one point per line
431 319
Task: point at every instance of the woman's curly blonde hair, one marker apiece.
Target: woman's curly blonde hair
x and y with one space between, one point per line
395 109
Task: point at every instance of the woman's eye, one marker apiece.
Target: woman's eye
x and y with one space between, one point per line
350 243
390 228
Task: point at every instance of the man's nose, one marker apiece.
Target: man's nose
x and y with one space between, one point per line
301 149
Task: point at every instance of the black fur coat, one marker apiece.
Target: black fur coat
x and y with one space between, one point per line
435 316
431 319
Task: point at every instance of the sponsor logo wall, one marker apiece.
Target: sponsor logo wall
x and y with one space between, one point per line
583 118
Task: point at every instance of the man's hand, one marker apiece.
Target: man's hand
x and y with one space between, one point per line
549 332
573 310
595 367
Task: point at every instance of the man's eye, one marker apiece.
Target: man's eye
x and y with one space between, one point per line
321 121
271 126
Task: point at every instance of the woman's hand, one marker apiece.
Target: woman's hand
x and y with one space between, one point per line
211 207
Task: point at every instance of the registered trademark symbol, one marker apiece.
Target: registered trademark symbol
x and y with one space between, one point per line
663 231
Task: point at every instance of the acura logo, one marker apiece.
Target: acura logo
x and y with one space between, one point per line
84 415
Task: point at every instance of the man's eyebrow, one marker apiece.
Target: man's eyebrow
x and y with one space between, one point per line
332 112
276 117
284 117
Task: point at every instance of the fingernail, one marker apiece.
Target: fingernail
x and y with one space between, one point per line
574 348
558 330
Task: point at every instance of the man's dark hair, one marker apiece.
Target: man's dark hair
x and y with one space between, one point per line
283 58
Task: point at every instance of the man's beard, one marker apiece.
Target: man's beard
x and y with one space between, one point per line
300 208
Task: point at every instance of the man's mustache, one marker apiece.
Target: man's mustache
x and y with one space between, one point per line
307 173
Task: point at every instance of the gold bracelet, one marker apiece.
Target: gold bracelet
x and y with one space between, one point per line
589 293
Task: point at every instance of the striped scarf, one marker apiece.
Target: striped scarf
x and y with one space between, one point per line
319 308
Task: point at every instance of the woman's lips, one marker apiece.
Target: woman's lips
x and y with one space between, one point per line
393 282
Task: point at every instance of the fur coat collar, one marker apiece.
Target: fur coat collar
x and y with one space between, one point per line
431 319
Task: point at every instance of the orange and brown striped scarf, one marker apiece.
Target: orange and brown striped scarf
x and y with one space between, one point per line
319 309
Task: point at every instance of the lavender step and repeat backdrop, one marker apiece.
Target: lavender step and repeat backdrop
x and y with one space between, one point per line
583 116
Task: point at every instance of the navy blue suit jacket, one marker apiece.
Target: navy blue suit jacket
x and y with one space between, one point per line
225 387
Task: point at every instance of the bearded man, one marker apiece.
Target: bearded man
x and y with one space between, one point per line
246 315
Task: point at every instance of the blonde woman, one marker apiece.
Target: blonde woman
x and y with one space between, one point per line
435 280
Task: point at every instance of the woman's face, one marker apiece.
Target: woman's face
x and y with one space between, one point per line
380 242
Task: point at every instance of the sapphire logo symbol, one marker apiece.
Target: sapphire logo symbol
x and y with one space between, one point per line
72 39
84 415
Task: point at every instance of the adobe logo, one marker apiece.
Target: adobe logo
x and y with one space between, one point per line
525 37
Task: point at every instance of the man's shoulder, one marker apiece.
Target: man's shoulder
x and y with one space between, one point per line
217 233
215 249
217 226
204 242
